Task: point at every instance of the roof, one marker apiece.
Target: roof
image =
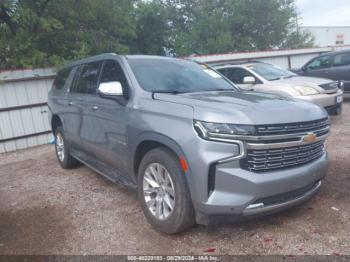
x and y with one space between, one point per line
109 55
90 59
336 52
148 57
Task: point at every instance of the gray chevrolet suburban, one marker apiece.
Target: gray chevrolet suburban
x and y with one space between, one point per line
195 147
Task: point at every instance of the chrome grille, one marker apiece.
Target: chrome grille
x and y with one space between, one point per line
272 159
292 128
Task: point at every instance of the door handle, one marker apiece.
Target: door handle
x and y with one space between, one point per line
70 103
94 107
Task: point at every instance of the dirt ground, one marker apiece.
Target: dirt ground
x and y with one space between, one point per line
47 210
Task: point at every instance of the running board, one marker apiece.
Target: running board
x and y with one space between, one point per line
103 169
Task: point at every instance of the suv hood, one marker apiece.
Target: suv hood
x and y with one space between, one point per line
251 108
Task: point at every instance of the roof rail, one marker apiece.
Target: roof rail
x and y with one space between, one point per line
238 62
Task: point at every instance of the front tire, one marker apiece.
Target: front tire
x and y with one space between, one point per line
163 192
63 150
339 110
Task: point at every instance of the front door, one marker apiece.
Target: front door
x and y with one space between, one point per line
105 121
341 69
319 67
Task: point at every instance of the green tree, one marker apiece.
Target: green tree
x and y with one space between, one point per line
213 26
152 29
209 29
46 32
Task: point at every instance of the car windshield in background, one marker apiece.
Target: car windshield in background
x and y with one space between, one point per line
270 72
178 76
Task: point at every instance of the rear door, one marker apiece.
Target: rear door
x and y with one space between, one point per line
85 81
72 111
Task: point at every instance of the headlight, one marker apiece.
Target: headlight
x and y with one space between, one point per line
213 131
306 90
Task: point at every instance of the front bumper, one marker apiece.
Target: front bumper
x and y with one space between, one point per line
237 190
335 109
282 201
324 100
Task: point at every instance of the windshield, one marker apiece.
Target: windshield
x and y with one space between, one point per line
271 72
174 75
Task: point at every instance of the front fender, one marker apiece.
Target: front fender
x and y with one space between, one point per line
158 138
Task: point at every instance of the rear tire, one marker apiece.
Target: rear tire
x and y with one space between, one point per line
63 150
169 206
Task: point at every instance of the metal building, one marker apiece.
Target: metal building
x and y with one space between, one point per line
329 35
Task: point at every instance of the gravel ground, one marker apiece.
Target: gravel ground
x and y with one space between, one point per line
47 210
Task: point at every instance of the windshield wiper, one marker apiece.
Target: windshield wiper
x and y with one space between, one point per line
224 89
173 92
212 90
288 77
277 78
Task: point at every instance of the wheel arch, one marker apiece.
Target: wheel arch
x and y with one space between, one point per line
55 122
149 141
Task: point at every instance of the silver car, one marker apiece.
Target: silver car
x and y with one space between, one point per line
269 78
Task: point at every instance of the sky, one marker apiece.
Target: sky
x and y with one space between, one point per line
324 12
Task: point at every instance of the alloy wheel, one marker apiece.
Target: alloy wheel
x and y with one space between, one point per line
158 191
60 147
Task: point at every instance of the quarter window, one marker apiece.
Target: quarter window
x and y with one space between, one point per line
61 78
87 78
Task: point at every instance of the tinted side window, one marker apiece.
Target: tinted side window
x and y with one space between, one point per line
236 75
320 63
61 78
112 72
87 78
342 59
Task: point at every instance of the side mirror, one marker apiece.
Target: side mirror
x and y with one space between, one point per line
249 80
303 68
110 89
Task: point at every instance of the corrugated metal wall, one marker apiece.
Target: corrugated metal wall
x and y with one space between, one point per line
23 109
284 58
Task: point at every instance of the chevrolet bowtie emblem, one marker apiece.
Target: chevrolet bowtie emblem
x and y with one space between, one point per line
309 138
